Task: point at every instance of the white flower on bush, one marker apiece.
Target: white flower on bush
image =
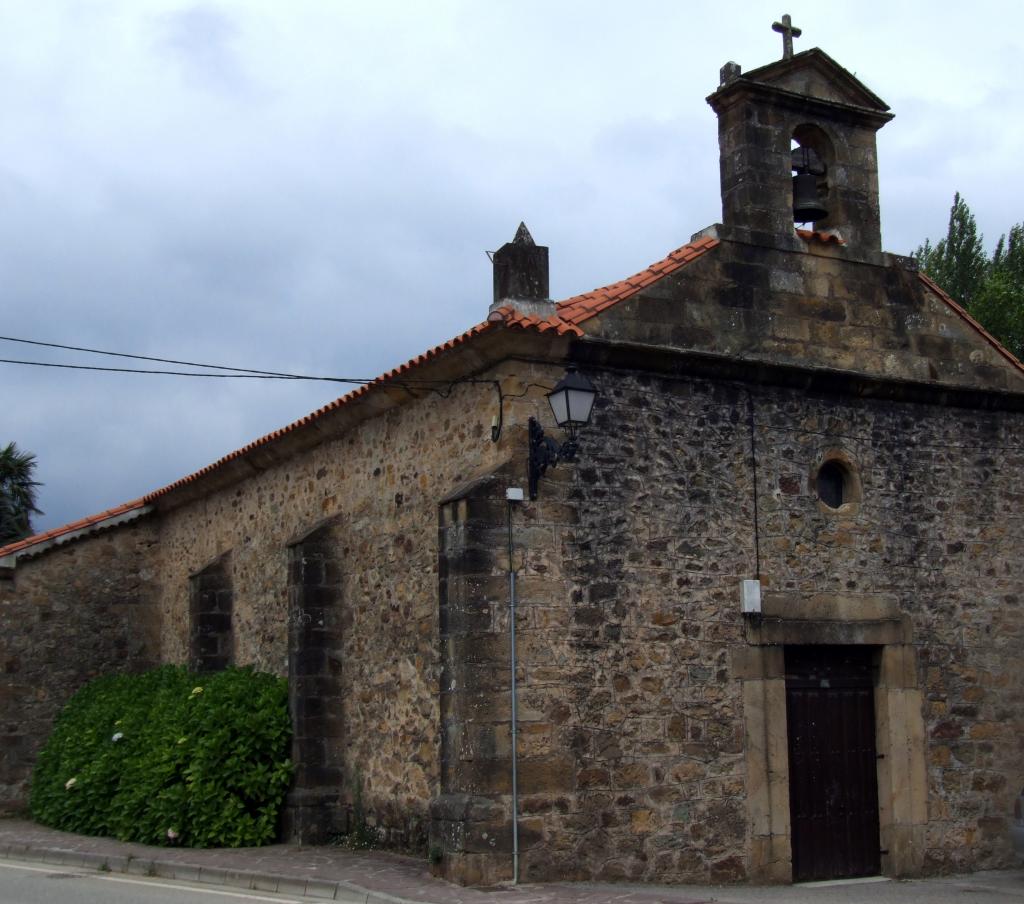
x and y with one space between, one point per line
117 736
196 691
182 739
172 835
70 783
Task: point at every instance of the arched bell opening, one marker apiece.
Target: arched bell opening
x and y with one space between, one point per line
811 159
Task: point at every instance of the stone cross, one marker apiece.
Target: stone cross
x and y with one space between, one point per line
788 32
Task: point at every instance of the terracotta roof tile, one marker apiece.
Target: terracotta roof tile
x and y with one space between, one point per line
80 524
827 238
580 308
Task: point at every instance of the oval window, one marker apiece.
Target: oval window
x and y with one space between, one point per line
831 484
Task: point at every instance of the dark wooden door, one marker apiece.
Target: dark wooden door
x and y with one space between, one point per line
833 786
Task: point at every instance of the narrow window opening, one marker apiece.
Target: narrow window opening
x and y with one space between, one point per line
315 811
211 643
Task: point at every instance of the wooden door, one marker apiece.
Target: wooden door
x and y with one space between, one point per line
833 785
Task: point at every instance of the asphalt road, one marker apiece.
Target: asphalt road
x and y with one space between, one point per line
38 883
35 883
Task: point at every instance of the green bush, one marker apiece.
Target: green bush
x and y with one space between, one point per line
169 757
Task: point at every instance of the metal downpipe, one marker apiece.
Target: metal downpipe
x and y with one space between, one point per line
514 714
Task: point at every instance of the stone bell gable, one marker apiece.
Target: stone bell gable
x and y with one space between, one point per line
808 101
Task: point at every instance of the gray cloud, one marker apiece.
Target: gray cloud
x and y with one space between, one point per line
201 39
311 186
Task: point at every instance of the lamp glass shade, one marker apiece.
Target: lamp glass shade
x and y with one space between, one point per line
572 399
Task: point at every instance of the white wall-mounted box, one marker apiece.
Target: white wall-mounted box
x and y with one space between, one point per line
750 597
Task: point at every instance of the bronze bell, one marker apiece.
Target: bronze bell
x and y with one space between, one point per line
807 206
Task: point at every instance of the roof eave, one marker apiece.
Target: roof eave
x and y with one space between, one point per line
34 546
461 361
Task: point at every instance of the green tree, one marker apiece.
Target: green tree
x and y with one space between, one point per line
957 262
1008 258
992 290
999 305
17 493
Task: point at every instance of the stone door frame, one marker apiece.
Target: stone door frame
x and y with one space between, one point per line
900 739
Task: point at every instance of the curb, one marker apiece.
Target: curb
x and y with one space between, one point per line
332 890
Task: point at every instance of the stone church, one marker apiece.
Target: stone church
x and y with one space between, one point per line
768 620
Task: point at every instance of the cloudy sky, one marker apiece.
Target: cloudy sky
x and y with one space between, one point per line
310 186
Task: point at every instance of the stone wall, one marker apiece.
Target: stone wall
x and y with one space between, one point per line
664 495
380 484
346 530
640 680
79 611
642 687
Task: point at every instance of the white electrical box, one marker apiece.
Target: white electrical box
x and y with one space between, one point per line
750 597
514 494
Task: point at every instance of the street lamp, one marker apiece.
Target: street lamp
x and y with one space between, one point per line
572 402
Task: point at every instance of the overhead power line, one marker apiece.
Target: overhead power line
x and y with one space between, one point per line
96 351
181 373
235 371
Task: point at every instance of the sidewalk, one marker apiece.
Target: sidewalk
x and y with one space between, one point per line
376 877
355 877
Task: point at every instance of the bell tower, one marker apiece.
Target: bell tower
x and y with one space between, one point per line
797 145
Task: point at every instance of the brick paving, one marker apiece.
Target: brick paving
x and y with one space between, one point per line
367 877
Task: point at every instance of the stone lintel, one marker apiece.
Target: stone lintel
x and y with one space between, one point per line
796 631
848 607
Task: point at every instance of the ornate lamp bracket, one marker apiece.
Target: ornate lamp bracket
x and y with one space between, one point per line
546 453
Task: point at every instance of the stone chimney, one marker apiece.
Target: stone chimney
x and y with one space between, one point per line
521 275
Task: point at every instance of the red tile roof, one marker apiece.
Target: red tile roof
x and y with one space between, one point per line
80 524
995 343
513 318
565 321
582 307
